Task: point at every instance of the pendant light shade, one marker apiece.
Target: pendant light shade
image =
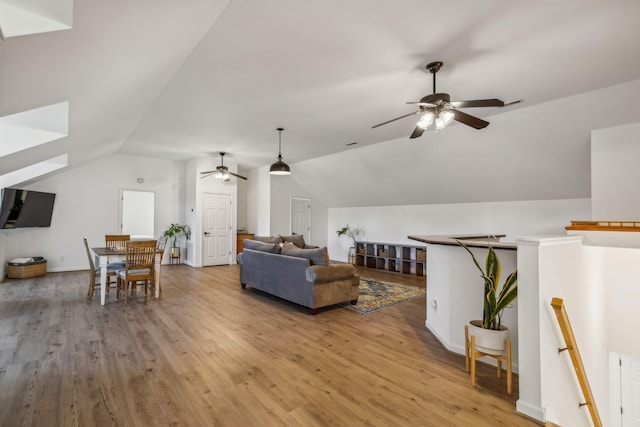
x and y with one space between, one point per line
280 167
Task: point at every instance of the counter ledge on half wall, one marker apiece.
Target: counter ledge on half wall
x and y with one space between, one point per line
455 289
471 240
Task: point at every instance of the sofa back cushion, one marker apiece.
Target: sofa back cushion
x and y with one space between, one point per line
296 239
319 256
267 239
261 246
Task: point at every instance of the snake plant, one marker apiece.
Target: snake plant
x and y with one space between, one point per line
495 300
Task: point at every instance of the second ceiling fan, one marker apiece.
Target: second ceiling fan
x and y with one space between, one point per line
438 110
221 172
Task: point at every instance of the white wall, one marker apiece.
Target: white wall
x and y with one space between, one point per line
608 238
615 173
620 278
393 224
242 202
283 188
258 214
189 209
87 205
599 288
194 209
528 154
455 295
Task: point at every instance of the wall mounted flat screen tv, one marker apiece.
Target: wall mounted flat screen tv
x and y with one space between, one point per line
25 208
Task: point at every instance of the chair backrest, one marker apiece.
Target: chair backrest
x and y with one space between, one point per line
116 241
140 254
86 245
162 243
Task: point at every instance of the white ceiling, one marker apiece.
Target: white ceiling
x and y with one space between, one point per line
180 80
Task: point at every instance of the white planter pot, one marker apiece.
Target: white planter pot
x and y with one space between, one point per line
487 340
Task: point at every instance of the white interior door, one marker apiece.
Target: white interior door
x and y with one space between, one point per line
630 391
216 242
301 217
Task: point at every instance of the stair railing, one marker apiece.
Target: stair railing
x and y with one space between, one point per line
572 348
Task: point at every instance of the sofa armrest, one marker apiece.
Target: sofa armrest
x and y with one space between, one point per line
329 273
311 247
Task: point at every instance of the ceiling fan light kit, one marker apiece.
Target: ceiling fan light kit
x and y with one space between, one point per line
221 172
280 167
438 110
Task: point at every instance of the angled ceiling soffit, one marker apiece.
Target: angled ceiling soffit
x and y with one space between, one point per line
24 17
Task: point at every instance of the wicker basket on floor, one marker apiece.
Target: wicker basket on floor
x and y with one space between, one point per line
25 271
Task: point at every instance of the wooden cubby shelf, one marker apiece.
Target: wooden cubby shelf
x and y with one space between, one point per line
405 259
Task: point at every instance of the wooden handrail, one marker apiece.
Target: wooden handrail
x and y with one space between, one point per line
604 225
572 347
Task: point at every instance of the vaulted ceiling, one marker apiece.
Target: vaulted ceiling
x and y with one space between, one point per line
187 79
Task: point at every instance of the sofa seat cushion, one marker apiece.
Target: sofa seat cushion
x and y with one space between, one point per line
319 256
256 245
330 273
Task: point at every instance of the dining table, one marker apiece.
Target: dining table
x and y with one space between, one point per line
107 255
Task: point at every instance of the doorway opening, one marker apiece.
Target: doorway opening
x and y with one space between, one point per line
137 213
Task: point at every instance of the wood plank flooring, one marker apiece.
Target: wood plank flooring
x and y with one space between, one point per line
211 354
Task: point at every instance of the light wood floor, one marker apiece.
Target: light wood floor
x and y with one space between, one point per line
210 354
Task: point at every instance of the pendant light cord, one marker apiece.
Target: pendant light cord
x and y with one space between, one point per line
280 143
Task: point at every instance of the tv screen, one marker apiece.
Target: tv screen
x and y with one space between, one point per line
25 208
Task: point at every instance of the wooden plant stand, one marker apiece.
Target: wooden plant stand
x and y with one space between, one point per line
471 355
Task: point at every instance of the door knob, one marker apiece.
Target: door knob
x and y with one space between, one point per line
206 233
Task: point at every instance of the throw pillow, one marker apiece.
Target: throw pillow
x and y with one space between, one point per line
267 239
261 246
319 256
296 239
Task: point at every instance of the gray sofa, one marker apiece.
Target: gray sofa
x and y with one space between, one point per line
298 278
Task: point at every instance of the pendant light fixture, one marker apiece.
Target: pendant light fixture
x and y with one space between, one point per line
280 167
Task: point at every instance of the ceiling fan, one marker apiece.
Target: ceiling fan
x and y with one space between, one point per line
221 172
438 110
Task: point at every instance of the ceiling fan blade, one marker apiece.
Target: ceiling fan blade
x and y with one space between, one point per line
417 132
468 120
421 104
513 102
478 103
238 176
397 118
207 174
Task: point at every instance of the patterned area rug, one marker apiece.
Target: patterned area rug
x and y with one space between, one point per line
376 295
